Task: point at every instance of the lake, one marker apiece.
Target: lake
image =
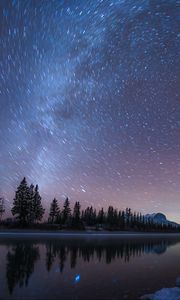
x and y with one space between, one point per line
87 267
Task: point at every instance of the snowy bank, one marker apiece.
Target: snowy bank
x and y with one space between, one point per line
164 294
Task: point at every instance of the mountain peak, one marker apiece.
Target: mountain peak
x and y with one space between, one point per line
160 218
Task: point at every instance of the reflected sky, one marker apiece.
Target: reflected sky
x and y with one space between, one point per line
66 269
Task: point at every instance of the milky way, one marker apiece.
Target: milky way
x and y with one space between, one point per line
89 98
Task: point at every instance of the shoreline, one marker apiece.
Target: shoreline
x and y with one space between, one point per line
78 234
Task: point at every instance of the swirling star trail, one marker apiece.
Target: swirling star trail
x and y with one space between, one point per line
90 101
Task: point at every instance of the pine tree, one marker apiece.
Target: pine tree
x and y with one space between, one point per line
54 211
101 216
66 213
2 208
134 220
94 217
76 221
115 218
31 213
21 203
90 216
110 216
86 216
121 219
37 208
82 216
128 216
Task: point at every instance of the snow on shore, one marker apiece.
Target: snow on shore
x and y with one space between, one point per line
164 294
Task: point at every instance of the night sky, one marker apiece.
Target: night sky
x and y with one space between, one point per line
89 101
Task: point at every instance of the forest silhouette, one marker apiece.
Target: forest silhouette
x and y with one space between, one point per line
28 211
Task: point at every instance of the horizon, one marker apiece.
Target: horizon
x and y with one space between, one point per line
89 103
8 213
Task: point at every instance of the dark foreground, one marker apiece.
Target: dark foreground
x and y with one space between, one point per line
47 265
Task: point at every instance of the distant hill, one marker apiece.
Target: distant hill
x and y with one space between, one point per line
160 218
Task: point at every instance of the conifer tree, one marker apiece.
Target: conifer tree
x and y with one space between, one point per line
101 216
76 221
37 208
21 203
66 213
115 218
94 217
2 208
90 216
31 213
110 215
54 211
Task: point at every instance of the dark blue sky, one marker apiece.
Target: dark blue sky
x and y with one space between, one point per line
89 98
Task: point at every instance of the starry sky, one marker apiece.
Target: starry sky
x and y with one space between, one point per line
89 101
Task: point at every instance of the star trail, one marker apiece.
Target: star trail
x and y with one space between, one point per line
89 101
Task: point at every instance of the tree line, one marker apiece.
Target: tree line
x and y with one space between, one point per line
27 209
23 256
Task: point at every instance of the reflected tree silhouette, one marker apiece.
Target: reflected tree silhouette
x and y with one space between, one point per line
23 255
125 250
53 250
62 253
73 257
50 256
20 264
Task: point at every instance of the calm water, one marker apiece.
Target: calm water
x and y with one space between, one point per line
87 268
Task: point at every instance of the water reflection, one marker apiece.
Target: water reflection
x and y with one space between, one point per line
23 255
20 264
108 251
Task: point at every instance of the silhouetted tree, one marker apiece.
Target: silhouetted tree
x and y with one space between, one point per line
115 218
22 203
31 213
76 221
2 208
128 215
121 220
54 211
101 217
110 216
90 216
37 208
66 213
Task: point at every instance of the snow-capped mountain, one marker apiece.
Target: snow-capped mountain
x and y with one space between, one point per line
160 219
